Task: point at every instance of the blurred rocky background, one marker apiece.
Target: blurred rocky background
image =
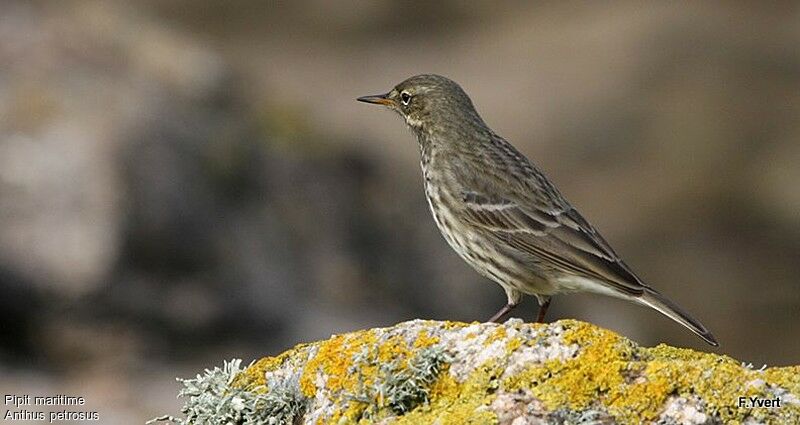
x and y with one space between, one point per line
184 181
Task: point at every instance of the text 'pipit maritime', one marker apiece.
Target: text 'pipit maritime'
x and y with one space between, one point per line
502 215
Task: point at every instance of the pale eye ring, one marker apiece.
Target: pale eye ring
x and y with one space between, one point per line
405 98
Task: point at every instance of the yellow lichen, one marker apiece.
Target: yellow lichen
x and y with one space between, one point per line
448 325
576 382
607 373
424 340
786 377
393 349
254 376
513 344
498 334
333 359
454 403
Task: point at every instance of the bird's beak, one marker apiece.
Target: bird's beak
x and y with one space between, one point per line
380 99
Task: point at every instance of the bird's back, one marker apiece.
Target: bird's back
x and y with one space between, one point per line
496 192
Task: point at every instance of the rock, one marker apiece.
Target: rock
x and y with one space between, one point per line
429 372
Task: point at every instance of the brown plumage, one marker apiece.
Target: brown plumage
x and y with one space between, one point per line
502 215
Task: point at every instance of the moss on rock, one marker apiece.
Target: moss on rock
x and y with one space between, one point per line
427 372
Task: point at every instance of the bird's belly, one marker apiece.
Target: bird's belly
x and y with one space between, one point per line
481 253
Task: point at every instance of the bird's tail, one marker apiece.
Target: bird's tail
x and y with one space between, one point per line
653 299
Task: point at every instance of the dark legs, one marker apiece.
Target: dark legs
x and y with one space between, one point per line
514 298
543 304
502 313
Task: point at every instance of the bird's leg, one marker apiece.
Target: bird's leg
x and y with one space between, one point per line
544 302
514 297
502 313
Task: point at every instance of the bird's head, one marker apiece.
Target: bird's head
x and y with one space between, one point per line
428 103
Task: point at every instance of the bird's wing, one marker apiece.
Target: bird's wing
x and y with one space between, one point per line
551 231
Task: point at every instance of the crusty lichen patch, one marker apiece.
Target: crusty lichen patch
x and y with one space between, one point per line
426 372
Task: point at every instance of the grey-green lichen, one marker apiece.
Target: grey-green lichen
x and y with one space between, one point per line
427 372
403 386
212 400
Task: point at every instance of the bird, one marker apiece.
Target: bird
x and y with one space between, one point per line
502 215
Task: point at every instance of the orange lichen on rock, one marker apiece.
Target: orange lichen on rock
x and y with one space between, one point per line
333 359
426 372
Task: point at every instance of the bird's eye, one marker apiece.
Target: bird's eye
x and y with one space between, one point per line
405 98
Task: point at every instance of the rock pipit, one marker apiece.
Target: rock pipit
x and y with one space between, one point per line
502 215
